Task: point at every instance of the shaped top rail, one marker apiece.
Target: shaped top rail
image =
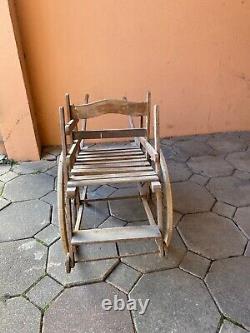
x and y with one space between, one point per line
98 108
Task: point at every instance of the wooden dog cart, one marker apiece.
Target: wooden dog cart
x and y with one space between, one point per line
141 163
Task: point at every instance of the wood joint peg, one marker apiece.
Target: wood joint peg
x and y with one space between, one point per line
71 192
155 186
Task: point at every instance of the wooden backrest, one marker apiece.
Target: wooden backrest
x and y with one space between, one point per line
98 108
107 106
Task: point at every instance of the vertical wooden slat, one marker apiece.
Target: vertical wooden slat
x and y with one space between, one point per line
68 111
156 136
148 120
62 131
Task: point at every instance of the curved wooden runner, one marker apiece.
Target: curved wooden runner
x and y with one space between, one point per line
168 200
61 205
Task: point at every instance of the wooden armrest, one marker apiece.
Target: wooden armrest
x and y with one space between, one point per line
70 126
149 149
71 156
144 142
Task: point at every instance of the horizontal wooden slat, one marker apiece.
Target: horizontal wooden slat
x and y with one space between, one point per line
110 158
111 164
106 235
105 106
96 171
105 181
110 133
91 162
114 175
109 151
137 153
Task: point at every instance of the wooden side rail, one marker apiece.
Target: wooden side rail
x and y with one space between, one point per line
110 133
144 142
70 126
71 156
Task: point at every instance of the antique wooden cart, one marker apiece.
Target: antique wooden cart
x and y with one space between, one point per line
141 163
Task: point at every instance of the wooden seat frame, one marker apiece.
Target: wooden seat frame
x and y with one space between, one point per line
79 167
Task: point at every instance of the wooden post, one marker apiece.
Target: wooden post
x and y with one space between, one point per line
156 136
148 120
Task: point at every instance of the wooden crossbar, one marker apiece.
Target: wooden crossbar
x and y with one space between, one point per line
105 235
110 133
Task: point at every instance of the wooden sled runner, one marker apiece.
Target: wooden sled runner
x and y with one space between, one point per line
140 163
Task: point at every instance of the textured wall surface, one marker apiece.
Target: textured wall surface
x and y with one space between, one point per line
193 55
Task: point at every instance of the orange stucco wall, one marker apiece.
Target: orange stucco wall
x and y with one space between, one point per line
17 123
192 54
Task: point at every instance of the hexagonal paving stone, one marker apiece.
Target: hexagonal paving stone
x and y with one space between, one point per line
1 187
228 327
51 198
223 209
52 171
173 153
28 187
228 281
240 160
227 144
123 277
4 168
242 174
112 222
198 179
193 148
129 210
195 264
189 197
23 219
3 203
211 166
101 192
44 291
242 218
94 215
8 176
84 305
22 263
178 171
17 315
83 272
231 190
153 262
25 168
48 235
211 235
247 251
139 246
179 302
